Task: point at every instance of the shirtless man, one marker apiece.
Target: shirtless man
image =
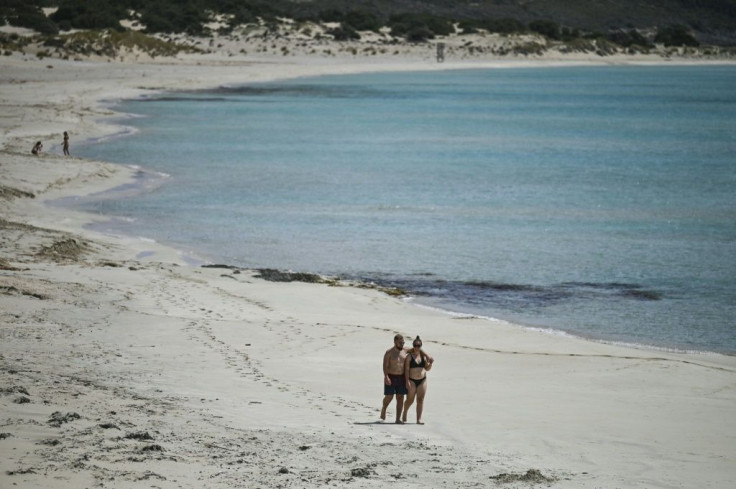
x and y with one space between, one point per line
393 377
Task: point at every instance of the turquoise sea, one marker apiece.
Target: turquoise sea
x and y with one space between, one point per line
596 201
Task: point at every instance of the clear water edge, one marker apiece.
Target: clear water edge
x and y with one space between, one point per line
536 323
194 257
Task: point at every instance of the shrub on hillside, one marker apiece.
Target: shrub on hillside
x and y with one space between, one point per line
529 48
110 43
419 27
439 25
12 42
23 14
505 26
332 15
344 33
468 27
500 26
604 47
578 46
628 39
83 14
676 35
242 16
547 28
362 21
567 34
401 24
168 17
419 34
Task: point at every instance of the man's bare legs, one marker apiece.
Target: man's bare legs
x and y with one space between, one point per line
386 402
399 406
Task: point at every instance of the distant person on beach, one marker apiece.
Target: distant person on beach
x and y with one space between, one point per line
440 52
65 144
394 379
416 365
37 148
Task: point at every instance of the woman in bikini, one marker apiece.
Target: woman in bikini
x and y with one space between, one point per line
416 366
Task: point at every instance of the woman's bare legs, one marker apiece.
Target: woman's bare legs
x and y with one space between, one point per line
420 392
409 400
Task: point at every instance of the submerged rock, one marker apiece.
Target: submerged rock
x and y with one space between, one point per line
273 275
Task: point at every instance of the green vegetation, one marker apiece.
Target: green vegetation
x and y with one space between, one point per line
547 28
82 14
27 14
572 24
676 35
419 27
166 17
529 48
109 43
354 20
362 21
500 26
10 43
344 33
629 39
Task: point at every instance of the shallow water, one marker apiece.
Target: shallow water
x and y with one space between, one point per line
599 201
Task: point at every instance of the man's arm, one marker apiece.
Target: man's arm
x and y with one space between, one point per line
407 367
386 379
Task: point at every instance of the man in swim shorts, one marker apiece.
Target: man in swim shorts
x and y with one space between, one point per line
393 377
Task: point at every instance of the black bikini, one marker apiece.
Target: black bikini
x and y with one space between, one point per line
413 364
418 382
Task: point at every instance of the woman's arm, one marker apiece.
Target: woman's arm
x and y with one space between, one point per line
429 358
407 367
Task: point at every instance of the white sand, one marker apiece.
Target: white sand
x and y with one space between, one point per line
166 375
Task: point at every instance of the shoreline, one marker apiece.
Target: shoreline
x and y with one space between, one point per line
577 337
193 258
137 369
196 258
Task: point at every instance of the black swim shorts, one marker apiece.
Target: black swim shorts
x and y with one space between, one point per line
398 386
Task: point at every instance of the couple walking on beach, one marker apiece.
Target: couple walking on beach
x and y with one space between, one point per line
405 373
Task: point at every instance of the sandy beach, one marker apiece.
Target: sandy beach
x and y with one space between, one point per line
122 365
